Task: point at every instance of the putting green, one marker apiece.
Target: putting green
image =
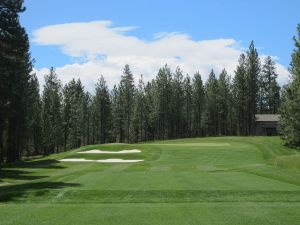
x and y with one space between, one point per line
225 180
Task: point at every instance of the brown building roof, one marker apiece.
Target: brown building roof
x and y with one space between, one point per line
267 117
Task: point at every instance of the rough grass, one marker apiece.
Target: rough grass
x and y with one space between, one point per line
225 180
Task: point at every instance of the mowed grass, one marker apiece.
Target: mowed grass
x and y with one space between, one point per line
224 180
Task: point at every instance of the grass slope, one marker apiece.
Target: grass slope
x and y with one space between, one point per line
225 180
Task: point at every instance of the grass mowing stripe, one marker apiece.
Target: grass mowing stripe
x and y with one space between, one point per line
151 196
223 180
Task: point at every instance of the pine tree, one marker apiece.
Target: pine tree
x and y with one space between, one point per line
223 98
252 75
139 116
52 114
162 103
269 94
290 109
127 91
102 112
188 106
34 120
87 118
151 109
67 104
178 111
117 114
16 65
73 114
240 97
198 105
211 92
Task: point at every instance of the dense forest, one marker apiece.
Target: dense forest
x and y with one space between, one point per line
172 105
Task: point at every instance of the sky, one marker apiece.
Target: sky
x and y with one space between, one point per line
88 38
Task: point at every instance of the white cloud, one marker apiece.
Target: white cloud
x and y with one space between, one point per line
106 49
283 74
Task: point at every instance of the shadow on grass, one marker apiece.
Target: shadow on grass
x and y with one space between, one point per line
23 184
38 164
19 170
31 191
18 175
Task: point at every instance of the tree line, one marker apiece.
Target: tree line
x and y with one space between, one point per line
172 105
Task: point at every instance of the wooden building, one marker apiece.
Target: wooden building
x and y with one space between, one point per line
266 124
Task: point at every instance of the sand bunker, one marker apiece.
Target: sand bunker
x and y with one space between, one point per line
76 160
102 160
110 152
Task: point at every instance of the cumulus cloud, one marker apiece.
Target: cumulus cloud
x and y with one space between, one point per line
105 50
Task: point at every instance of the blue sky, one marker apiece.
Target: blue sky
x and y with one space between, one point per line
271 24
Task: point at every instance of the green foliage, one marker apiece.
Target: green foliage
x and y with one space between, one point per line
211 94
269 90
139 114
188 106
290 109
178 103
252 76
52 113
118 123
34 119
240 97
101 113
15 67
223 102
198 105
163 103
126 95
73 114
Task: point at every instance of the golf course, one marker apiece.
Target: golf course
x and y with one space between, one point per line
223 180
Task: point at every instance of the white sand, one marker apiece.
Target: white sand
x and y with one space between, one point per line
102 160
110 152
119 160
76 160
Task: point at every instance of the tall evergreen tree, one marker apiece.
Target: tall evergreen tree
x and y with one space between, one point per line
102 112
240 96
151 109
252 75
34 120
177 115
67 104
117 113
163 110
73 114
127 91
223 98
188 106
211 92
77 115
87 119
269 93
52 114
290 109
139 113
198 104
16 65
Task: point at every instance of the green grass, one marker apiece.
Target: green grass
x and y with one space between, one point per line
224 180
